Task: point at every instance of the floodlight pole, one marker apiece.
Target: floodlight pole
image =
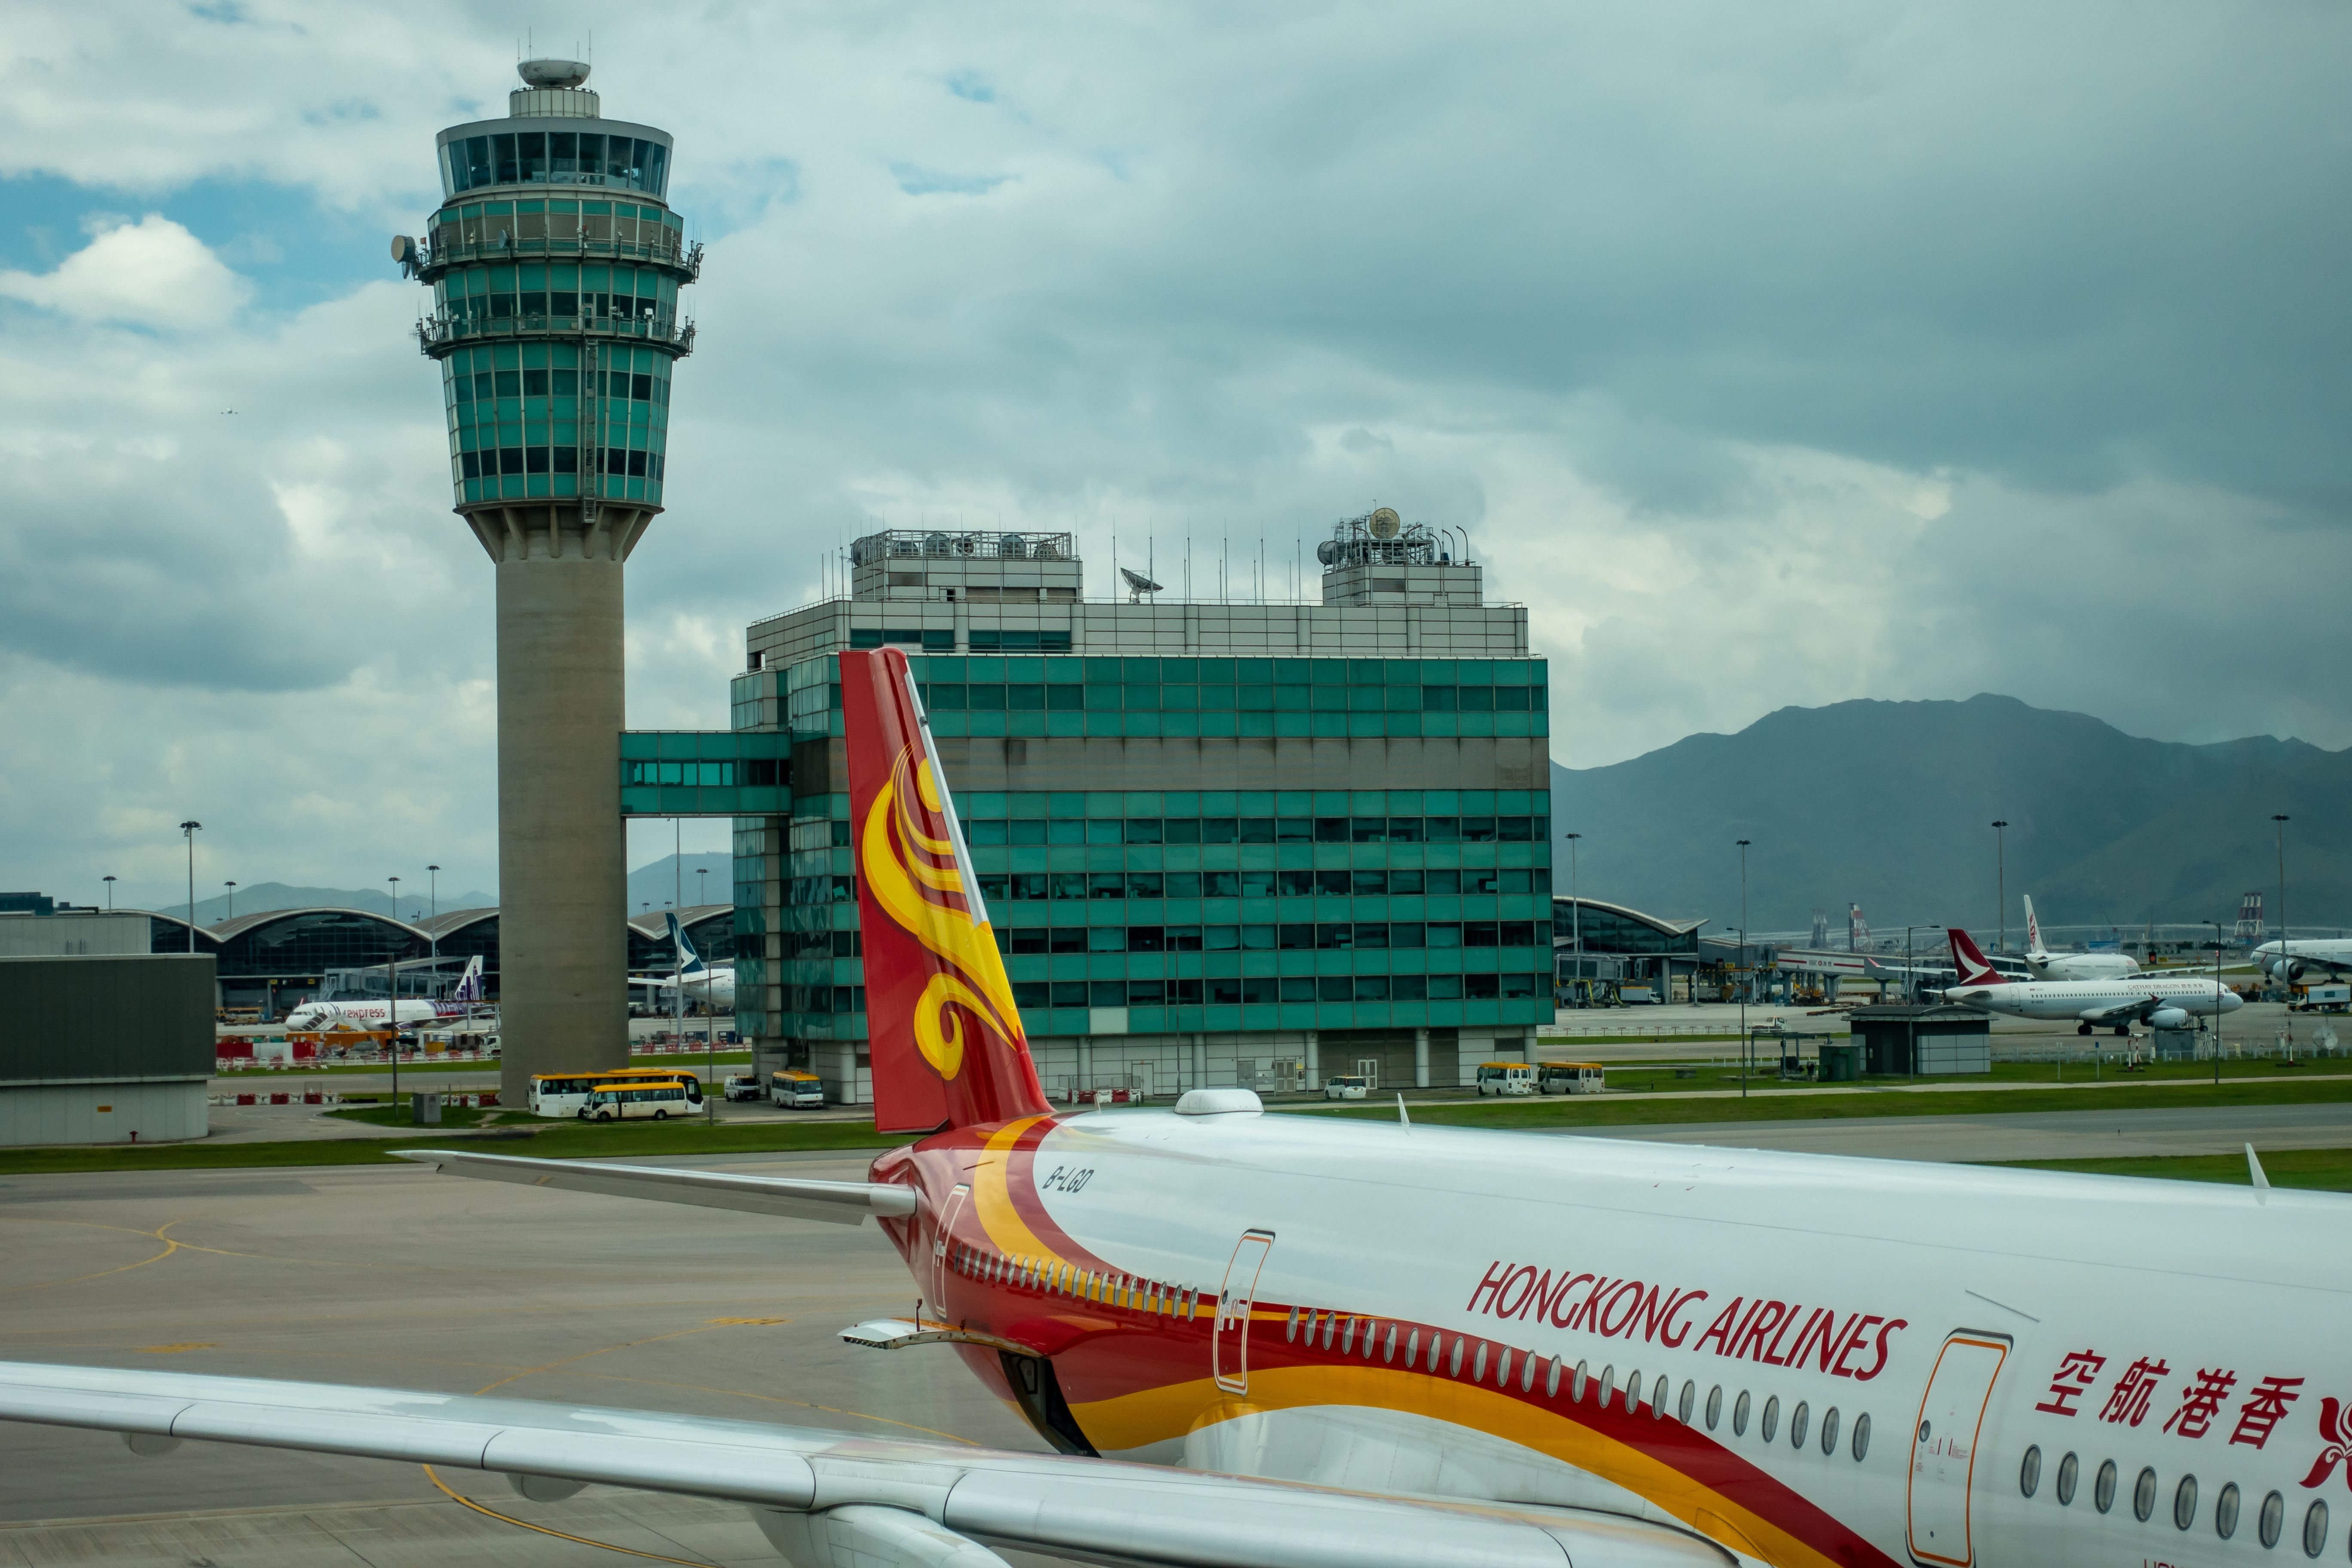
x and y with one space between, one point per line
232 900
1747 1046
110 893
2286 969
2217 1000
1575 916
188 830
392 1000
2000 884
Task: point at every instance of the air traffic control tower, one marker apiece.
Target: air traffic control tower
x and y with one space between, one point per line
555 264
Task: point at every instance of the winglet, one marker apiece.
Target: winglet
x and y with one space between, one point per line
1404 1119
2254 1170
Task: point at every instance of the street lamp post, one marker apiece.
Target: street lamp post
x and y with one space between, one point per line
110 893
2286 970
392 1000
433 917
1747 1046
2001 883
189 830
701 885
1575 921
232 900
2217 1000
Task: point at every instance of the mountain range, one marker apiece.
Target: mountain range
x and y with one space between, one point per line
1889 805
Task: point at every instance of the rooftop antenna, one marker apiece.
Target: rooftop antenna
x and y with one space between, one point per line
1138 585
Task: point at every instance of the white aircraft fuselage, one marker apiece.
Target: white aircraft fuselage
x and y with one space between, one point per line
2303 958
2099 1001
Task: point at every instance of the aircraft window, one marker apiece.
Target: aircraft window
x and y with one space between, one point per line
1690 1398
2184 1503
2029 1474
1660 1387
2225 1511
1388 1351
1527 1374
1798 1420
2314 1529
1861 1436
2273 1516
1370 1329
1714 1405
1330 1328
1771 1422
1412 1348
2103 1491
1502 1368
1477 1367
1739 1415
1347 1340
2144 1496
1634 1391
2069 1469
1576 1387
1454 1368
1829 1430
1607 1385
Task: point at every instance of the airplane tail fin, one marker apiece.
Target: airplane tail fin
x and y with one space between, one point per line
1968 962
469 983
689 963
948 1048
2033 948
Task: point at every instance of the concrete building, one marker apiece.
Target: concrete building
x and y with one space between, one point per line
80 933
1221 843
112 1049
555 264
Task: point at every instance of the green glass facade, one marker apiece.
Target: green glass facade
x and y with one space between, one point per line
1191 911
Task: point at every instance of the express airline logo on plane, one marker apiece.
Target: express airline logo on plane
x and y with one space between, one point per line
907 853
1757 1329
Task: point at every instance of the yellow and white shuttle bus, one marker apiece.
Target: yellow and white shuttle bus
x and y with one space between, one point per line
563 1094
637 1101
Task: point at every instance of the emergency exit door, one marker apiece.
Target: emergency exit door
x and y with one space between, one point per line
1229 1337
1944 1447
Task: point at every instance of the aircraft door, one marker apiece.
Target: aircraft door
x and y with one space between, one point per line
941 1241
1944 1447
1229 1338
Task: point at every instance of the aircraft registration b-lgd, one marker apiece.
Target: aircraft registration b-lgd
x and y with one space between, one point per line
1296 1341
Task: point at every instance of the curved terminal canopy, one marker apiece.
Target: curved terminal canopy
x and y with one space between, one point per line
545 74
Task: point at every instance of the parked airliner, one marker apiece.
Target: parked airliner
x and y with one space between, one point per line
2304 957
2043 964
405 1011
1350 1341
2159 1001
697 978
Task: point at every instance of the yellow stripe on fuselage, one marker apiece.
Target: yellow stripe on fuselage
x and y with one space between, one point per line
991 1197
1172 1411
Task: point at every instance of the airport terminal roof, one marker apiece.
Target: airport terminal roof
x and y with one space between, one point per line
652 924
1663 927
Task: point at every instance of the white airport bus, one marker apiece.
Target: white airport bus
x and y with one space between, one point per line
564 1094
633 1102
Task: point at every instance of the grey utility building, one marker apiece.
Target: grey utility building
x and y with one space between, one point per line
104 1049
1931 1040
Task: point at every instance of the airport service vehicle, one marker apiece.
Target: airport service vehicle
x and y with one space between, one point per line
1637 995
1507 1077
715 987
745 1086
796 1090
1571 1078
2301 956
562 1094
2322 999
1299 1341
1347 1086
638 1101
2159 1001
2043 964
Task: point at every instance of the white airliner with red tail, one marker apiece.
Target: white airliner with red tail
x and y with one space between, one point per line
1326 1341
2159 1001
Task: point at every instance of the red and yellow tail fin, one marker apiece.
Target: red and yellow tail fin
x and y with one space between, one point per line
947 1043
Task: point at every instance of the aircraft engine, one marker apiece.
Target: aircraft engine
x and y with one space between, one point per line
2168 1018
2285 969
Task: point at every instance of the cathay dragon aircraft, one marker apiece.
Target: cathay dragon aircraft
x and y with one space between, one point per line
1316 1341
2044 965
2159 1001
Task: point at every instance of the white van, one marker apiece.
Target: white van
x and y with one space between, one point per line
1350 1085
633 1102
1507 1077
796 1090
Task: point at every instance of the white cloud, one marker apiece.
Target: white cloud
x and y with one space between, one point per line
151 273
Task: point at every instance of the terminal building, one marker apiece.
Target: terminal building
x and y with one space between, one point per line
1221 843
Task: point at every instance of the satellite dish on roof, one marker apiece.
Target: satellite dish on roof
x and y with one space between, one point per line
1327 553
1138 585
1386 524
404 249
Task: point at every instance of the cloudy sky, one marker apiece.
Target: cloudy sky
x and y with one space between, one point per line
1769 354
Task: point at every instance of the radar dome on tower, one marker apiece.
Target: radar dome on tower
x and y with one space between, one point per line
553 75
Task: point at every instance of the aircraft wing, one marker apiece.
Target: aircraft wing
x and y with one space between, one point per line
794 1197
2125 1012
929 1503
